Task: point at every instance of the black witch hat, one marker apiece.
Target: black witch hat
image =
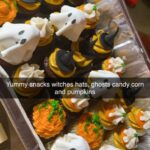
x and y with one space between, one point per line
65 61
107 40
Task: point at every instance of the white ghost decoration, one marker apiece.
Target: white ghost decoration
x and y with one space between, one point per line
101 82
70 22
18 42
70 141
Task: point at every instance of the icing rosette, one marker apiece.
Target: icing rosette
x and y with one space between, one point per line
70 141
48 118
111 114
45 28
139 119
8 11
92 14
27 74
116 65
126 138
90 128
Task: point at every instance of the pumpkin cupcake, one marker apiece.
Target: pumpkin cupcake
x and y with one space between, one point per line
51 5
60 64
29 76
8 11
139 119
48 118
116 65
28 7
90 128
111 114
46 30
126 138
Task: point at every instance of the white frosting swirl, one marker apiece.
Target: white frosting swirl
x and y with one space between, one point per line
70 141
108 147
131 138
43 25
31 71
80 103
92 12
116 64
146 118
118 114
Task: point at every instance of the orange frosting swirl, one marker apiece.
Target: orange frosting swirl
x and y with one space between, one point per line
48 118
8 11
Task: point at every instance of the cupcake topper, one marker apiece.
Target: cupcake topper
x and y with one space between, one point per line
107 40
64 61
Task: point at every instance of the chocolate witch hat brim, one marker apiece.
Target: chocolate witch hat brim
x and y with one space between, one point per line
30 1
107 40
65 61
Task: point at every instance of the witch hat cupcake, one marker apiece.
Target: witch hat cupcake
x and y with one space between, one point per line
60 64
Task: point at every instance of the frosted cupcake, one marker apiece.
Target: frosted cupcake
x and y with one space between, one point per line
45 28
139 119
48 118
70 141
27 74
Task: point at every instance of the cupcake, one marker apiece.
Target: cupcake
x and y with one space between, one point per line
18 42
126 138
108 147
70 141
116 65
93 17
51 5
111 114
139 119
8 11
75 102
45 28
28 7
48 118
103 43
70 22
90 128
82 55
29 76
60 64
76 2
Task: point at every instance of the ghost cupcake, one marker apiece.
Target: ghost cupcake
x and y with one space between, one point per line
90 128
48 118
139 119
126 138
116 65
45 28
103 43
111 114
28 7
18 42
70 141
76 2
51 5
8 11
60 64
82 55
27 75
70 22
